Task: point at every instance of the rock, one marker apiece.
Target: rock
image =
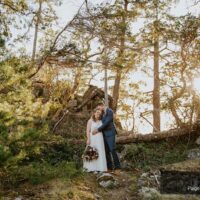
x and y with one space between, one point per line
106 180
98 197
153 194
194 153
149 179
108 184
19 198
181 178
126 165
105 177
142 182
149 193
197 141
146 174
178 197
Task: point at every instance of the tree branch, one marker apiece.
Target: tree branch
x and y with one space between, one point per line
43 59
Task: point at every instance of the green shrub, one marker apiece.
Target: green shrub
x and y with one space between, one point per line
63 151
37 173
148 155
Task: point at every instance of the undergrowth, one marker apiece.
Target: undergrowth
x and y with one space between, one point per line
149 155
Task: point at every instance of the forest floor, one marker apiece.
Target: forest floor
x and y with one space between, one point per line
45 181
84 187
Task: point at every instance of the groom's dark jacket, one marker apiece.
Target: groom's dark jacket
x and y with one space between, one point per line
108 126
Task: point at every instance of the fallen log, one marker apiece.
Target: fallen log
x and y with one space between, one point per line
153 137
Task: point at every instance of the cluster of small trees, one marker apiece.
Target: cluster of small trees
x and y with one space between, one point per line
165 48
102 41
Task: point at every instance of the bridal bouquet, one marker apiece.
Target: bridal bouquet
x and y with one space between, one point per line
90 153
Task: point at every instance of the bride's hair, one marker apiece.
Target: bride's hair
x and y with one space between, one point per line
93 114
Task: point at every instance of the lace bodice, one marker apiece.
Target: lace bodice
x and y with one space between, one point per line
95 125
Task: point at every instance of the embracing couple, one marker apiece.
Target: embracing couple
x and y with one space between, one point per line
101 134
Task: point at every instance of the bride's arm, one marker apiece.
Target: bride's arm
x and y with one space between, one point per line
88 130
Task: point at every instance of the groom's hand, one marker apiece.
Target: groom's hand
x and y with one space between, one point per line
94 132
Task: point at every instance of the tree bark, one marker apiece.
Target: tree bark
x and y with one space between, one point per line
116 89
36 31
156 90
106 86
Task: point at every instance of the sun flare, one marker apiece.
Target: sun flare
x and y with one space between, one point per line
196 85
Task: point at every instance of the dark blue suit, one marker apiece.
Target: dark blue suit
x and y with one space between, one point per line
109 132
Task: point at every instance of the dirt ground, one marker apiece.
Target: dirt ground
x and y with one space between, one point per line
82 188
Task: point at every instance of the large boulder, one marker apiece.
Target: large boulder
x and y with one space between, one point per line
182 177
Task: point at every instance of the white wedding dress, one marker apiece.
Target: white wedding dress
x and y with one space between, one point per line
96 141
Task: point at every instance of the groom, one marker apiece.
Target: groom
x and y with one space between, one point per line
109 132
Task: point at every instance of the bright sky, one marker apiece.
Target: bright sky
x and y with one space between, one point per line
70 7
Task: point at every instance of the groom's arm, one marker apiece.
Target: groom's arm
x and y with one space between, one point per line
109 118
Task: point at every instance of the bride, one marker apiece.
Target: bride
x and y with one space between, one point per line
96 141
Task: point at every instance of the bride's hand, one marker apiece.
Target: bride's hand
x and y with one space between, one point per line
88 142
94 132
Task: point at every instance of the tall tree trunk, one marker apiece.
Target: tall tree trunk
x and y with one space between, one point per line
133 119
156 90
106 86
38 19
116 88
